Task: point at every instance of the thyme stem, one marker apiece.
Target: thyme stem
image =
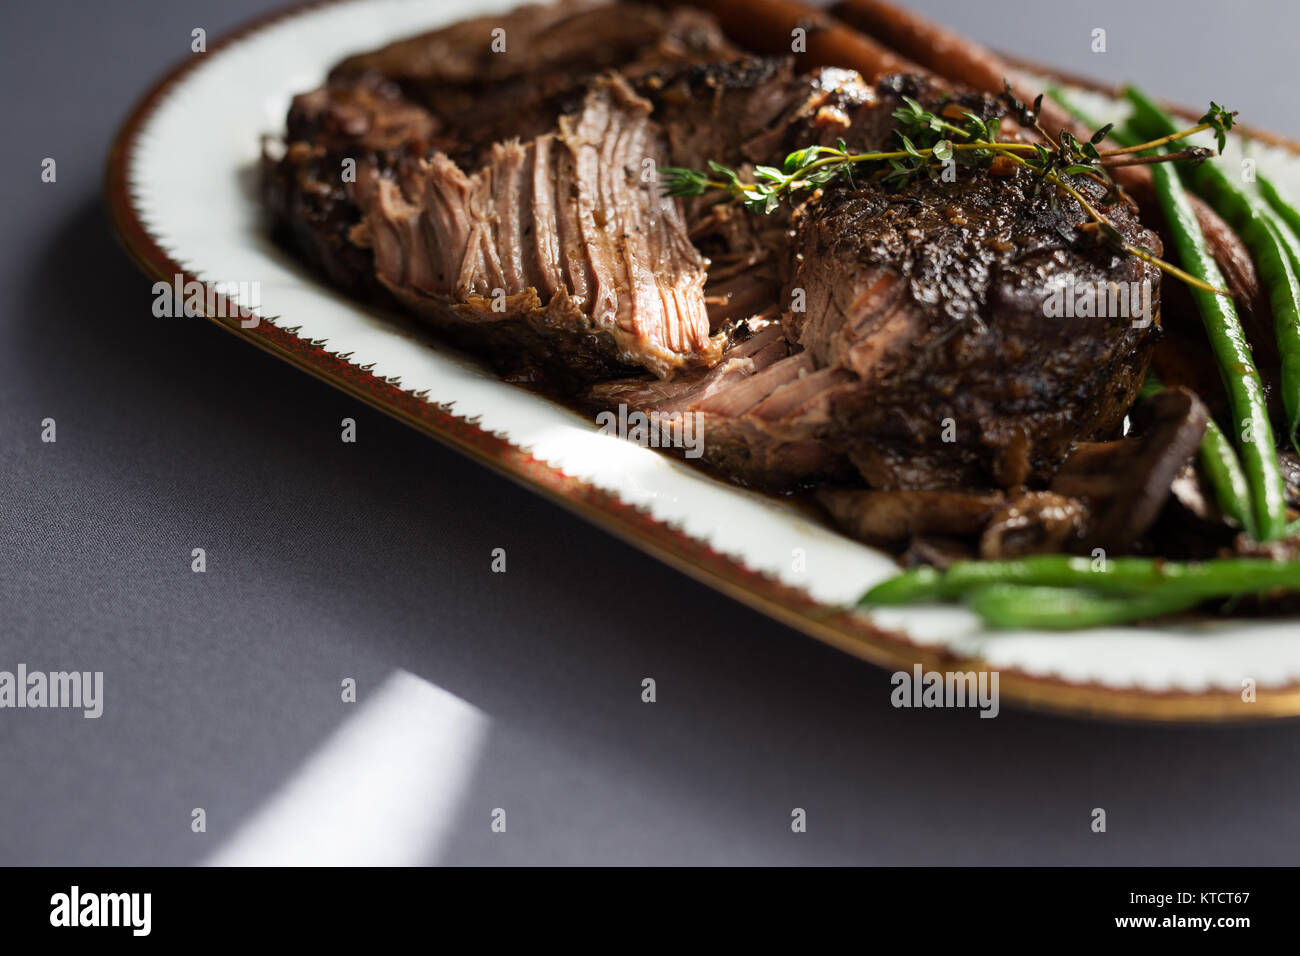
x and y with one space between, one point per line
815 166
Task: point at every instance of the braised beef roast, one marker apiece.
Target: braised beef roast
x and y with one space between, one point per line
937 299
413 119
895 346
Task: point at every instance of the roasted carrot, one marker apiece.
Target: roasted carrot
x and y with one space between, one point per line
768 26
946 53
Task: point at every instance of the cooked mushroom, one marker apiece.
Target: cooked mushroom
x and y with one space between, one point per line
1126 482
891 517
1038 522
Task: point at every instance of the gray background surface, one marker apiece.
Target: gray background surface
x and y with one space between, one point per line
328 560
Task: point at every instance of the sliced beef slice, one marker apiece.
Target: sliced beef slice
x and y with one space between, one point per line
364 123
730 402
559 245
508 75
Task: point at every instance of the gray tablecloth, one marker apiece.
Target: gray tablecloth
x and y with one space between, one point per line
477 692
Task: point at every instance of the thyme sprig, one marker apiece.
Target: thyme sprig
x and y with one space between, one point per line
931 144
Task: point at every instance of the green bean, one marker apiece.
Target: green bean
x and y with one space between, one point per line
1236 366
909 587
1277 255
1284 208
1221 466
1287 220
1270 240
1223 577
1285 217
1065 609
1217 457
1280 266
1227 480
